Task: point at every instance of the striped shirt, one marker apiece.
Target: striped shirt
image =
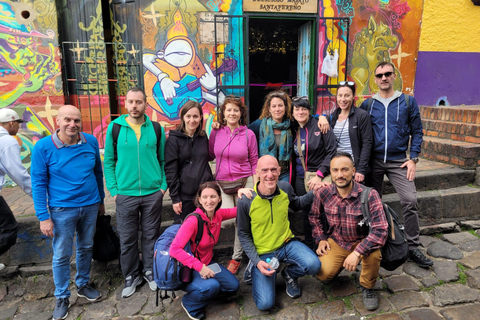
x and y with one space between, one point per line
343 216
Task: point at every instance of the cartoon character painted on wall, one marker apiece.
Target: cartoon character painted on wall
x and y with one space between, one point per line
372 45
180 73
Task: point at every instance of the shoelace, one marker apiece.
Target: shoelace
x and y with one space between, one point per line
369 293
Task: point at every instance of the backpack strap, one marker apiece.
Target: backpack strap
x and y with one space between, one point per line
115 133
407 101
158 132
365 207
200 228
369 104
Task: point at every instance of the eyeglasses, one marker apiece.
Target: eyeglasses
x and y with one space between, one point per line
231 96
386 74
273 170
295 99
346 83
276 93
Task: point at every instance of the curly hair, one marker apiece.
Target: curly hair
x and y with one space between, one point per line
238 102
286 100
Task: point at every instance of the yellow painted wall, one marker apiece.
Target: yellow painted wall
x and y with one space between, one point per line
450 25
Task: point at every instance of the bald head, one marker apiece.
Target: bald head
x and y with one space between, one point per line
69 121
268 171
267 160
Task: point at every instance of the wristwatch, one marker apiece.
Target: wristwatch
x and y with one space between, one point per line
415 160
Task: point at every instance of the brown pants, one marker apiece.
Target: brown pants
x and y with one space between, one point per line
332 264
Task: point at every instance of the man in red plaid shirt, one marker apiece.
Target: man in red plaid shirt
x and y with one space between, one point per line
348 241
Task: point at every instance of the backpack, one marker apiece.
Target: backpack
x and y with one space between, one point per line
166 269
116 131
106 245
395 249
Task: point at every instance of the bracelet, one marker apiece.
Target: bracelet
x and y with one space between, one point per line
356 253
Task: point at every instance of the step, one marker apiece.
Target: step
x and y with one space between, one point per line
461 153
445 205
443 178
464 114
452 130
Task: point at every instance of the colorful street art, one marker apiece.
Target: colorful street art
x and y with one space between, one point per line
30 78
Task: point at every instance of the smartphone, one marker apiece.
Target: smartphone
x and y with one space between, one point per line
215 267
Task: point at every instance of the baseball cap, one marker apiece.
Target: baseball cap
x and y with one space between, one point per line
7 115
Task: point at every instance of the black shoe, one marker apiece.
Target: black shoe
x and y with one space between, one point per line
419 258
370 299
89 293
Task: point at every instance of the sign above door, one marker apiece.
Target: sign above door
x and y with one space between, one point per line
285 6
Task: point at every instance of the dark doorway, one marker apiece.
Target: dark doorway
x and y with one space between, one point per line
273 56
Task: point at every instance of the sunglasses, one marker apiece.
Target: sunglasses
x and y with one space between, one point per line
346 83
231 96
386 74
276 93
295 99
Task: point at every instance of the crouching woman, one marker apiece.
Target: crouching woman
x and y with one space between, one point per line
206 284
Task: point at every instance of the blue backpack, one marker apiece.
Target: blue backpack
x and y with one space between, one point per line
166 269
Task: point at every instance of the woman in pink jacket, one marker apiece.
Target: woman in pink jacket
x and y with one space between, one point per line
235 149
206 283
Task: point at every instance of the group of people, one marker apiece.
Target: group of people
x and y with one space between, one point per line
286 159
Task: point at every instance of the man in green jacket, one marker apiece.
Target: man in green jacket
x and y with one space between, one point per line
135 177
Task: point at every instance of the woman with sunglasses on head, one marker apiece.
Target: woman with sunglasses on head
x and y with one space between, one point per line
234 147
311 156
186 160
352 127
273 130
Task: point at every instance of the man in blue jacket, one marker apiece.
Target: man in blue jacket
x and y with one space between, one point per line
396 123
68 195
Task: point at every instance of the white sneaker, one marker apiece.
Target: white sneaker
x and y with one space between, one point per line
2 266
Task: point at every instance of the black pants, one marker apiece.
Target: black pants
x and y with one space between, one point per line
307 227
8 227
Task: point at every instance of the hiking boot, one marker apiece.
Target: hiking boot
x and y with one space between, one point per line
148 276
131 285
61 309
370 299
234 265
293 289
88 293
419 258
247 276
202 316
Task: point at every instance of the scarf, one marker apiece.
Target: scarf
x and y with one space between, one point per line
267 139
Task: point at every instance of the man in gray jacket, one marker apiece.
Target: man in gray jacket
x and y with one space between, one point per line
11 164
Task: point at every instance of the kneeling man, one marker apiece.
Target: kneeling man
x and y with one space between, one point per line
264 232
348 241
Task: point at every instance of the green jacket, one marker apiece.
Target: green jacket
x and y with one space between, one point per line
263 224
137 171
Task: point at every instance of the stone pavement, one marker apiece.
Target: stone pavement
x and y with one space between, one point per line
449 290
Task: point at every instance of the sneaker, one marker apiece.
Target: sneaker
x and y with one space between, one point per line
88 293
130 286
61 309
202 316
148 276
234 265
370 299
2 266
293 289
419 258
247 276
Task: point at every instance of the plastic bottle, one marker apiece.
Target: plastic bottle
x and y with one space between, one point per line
273 262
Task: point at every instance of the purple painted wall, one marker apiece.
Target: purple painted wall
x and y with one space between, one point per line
451 74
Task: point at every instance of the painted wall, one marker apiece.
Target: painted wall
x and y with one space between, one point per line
449 57
30 69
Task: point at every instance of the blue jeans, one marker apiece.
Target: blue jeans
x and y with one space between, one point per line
301 261
67 221
201 291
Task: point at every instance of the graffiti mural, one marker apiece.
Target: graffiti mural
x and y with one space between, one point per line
30 77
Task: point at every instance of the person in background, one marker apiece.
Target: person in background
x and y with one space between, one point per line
312 152
186 160
234 147
10 164
206 284
67 204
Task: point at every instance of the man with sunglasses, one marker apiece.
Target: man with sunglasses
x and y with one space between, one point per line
264 232
396 124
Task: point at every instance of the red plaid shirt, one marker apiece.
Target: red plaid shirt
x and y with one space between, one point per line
343 216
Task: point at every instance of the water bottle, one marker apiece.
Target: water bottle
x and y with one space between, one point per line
273 262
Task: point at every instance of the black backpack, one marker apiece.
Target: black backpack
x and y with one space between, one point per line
116 131
395 250
106 245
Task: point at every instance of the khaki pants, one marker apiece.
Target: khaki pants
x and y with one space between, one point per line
332 264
